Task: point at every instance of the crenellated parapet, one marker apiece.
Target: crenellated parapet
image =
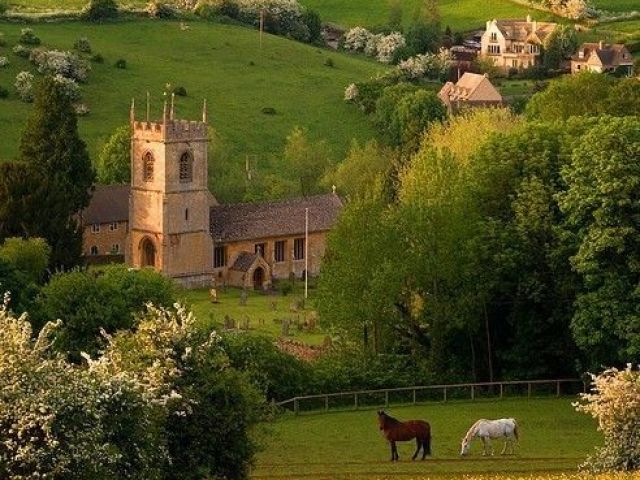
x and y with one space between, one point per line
169 128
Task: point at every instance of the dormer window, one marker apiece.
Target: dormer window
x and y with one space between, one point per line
494 37
147 167
186 168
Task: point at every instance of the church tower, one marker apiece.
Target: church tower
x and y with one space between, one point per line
170 202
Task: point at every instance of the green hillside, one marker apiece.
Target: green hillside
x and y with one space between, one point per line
221 63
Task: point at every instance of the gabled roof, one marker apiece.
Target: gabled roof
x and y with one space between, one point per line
109 203
523 30
253 221
608 55
470 87
244 261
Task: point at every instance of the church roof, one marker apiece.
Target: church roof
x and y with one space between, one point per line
109 203
247 221
244 261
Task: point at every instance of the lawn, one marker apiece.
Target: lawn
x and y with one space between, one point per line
341 445
617 5
263 313
460 15
222 63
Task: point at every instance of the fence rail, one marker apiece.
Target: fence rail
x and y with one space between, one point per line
495 390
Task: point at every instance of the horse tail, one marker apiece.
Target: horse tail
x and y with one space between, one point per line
515 429
427 441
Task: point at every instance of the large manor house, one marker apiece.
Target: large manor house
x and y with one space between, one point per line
168 219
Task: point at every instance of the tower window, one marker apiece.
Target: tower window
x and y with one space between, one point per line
186 167
186 214
147 161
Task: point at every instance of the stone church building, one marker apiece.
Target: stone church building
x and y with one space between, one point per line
168 220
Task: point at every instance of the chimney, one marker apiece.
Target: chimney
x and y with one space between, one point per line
601 45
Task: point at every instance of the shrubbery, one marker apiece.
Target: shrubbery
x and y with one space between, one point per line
98 10
24 86
27 37
69 87
160 10
4 92
21 51
55 62
4 61
383 47
82 45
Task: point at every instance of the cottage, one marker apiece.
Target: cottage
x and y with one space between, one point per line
515 43
471 90
600 57
168 220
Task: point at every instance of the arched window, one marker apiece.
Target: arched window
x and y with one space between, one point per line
147 167
186 167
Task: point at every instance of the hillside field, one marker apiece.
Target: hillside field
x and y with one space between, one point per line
348 444
221 63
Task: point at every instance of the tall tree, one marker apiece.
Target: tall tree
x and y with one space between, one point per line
55 162
114 161
307 161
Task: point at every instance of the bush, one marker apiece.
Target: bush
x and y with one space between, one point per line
613 402
269 111
69 87
312 21
99 10
82 45
4 93
20 51
3 8
328 62
121 63
97 58
180 91
55 62
27 37
3 41
160 10
4 61
24 86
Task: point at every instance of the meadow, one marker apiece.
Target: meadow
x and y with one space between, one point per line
341 445
221 63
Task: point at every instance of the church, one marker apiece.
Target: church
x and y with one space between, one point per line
167 218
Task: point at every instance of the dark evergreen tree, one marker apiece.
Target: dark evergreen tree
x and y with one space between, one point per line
53 178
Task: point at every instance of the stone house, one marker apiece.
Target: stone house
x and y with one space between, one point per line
473 90
168 220
515 43
600 58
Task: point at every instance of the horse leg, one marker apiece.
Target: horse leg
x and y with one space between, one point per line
394 452
504 447
426 448
418 445
484 446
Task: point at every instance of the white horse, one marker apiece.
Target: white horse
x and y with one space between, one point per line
488 429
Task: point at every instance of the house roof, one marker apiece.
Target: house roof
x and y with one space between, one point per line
522 30
109 203
244 261
609 55
246 221
470 87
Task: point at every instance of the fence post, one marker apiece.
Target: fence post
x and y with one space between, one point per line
355 401
444 392
386 398
295 406
326 403
558 389
414 396
501 388
528 389
473 392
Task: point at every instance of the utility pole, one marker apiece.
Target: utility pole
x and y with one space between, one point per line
306 253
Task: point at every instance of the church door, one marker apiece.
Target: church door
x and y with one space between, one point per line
258 278
148 253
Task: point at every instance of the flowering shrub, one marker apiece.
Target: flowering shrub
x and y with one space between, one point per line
69 87
82 45
387 46
574 9
428 65
160 10
356 39
615 404
56 62
382 47
283 17
24 86
4 61
21 51
27 37
351 93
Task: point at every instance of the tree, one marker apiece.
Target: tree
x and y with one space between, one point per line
29 256
114 161
423 37
307 161
559 45
413 115
56 164
624 98
312 20
99 10
601 204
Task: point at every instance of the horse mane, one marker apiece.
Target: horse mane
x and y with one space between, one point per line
389 420
471 430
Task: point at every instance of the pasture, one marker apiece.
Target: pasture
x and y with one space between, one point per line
222 63
347 444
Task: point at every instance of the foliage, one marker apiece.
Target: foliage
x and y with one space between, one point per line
276 374
69 87
100 10
383 47
55 178
312 21
82 45
114 163
4 61
600 204
423 38
27 37
55 62
613 402
4 92
306 161
94 301
29 256
559 45
432 66
121 63
160 9
24 86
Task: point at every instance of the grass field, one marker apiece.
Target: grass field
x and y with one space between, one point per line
219 62
259 312
617 5
349 445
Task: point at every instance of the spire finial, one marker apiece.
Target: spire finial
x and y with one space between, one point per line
173 99
132 112
205 115
165 113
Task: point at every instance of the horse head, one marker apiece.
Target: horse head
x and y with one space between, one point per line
382 417
464 446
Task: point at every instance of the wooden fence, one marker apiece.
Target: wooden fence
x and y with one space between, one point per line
411 395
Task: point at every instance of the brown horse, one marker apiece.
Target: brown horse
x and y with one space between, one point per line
397 431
